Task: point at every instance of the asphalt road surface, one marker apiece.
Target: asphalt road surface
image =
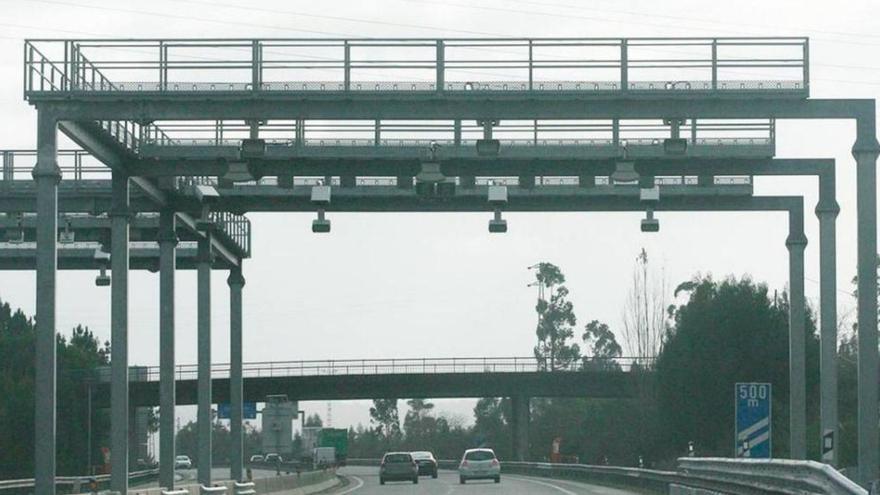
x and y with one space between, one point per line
365 481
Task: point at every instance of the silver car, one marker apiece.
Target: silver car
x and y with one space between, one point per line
182 462
479 464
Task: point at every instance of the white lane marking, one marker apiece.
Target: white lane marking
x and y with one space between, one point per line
359 482
548 485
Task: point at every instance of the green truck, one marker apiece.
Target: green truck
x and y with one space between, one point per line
336 438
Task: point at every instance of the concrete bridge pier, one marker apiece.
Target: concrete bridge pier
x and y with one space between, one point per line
520 427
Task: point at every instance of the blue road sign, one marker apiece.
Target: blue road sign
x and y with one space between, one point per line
753 420
249 409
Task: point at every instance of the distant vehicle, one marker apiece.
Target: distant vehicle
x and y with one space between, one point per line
323 456
256 458
336 438
398 466
426 463
479 464
273 458
182 462
309 440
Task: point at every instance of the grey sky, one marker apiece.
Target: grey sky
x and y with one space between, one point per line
438 285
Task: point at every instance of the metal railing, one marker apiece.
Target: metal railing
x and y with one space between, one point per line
394 366
775 476
427 134
235 228
585 65
73 484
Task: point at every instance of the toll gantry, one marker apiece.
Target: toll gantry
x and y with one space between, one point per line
208 127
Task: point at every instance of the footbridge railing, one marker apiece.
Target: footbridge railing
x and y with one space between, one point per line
394 366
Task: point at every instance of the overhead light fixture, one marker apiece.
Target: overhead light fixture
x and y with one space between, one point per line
649 193
206 195
66 236
624 172
430 173
238 172
446 189
252 148
16 235
650 224
321 198
675 146
488 147
497 198
102 280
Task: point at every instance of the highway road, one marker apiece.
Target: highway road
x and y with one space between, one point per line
365 481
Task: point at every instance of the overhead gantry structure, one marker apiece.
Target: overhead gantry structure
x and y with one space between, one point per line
208 126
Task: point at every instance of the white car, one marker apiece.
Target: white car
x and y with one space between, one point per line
479 464
182 462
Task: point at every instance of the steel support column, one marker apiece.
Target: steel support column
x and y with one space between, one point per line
203 418
46 175
236 383
119 413
167 265
796 244
865 152
520 410
827 210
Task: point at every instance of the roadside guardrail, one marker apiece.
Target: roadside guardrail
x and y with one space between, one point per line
73 484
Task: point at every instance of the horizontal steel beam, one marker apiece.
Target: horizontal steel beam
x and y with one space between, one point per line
488 166
182 154
446 106
539 198
82 257
597 384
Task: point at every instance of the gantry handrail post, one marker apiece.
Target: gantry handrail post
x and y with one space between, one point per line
441 65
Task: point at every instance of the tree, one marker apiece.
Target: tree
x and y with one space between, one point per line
602 347
848 358
491 427
384 415
644 315
78 356
556 320
727 332
418 423
314 420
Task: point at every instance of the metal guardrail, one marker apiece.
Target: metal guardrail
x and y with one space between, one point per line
244 488
12 486
586 65
392 366
212 490
424 134
774 476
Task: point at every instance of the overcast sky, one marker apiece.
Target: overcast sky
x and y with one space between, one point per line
439 285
